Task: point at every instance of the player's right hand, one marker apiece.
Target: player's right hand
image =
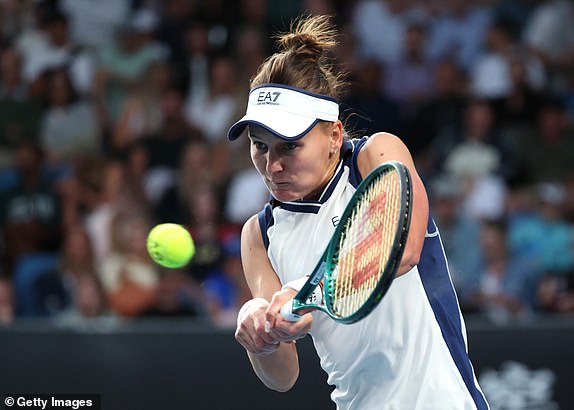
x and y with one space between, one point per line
283 330
250 332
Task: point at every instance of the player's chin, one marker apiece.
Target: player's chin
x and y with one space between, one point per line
285 195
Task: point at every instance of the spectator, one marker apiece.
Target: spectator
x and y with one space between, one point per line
543 236
410 79
437 124
175 16
58 50
12 85
227 289
208 230
177 295
79 275
475 156
491 75
459 232
459 31
556 293
478 162
164 150
518 109
94 27
549 33
380 29
549 145
516 12
30 212
122 64
194 172
370 108
198 54
257 13
132 178
71 290
250 48
129 276
141 114
14 18
32 36
70 126
21 113
91 197
213 113
503 287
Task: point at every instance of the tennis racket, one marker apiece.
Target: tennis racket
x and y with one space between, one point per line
364 253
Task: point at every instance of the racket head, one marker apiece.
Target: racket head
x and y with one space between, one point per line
367 246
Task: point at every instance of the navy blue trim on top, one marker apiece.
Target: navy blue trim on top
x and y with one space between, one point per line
265 219
433 270
301 207
237 129
305 206
350 154
328 191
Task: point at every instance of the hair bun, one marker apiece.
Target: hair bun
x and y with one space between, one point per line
300 42
304 58
309 34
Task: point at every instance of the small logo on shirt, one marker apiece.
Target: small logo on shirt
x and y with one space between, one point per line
335 220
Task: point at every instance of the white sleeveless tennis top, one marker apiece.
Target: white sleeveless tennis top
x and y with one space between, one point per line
410 352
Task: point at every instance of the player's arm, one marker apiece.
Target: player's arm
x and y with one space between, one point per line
275 363
383 147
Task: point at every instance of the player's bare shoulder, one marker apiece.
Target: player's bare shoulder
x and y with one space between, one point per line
251 234
382 147
381 142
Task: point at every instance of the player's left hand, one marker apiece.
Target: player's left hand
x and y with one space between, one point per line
282 330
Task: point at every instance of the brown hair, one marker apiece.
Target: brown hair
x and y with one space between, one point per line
303 58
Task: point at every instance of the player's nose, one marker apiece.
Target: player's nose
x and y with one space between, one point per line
274 163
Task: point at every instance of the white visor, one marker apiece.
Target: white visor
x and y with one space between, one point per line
287 112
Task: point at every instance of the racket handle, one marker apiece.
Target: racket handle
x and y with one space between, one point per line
287 312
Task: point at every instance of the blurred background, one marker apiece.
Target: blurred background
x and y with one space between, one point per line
113 118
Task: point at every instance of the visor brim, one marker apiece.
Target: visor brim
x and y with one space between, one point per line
287 126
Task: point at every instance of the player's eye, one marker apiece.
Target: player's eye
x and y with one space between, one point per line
290 146
259 146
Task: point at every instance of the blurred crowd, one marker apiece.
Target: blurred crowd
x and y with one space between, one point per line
113 118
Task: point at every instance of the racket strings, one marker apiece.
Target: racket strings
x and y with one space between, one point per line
365 247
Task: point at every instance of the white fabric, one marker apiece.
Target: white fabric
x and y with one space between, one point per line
288 112
395 358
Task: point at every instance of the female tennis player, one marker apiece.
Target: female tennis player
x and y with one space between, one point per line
410 352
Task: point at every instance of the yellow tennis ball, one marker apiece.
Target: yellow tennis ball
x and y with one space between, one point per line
170 245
